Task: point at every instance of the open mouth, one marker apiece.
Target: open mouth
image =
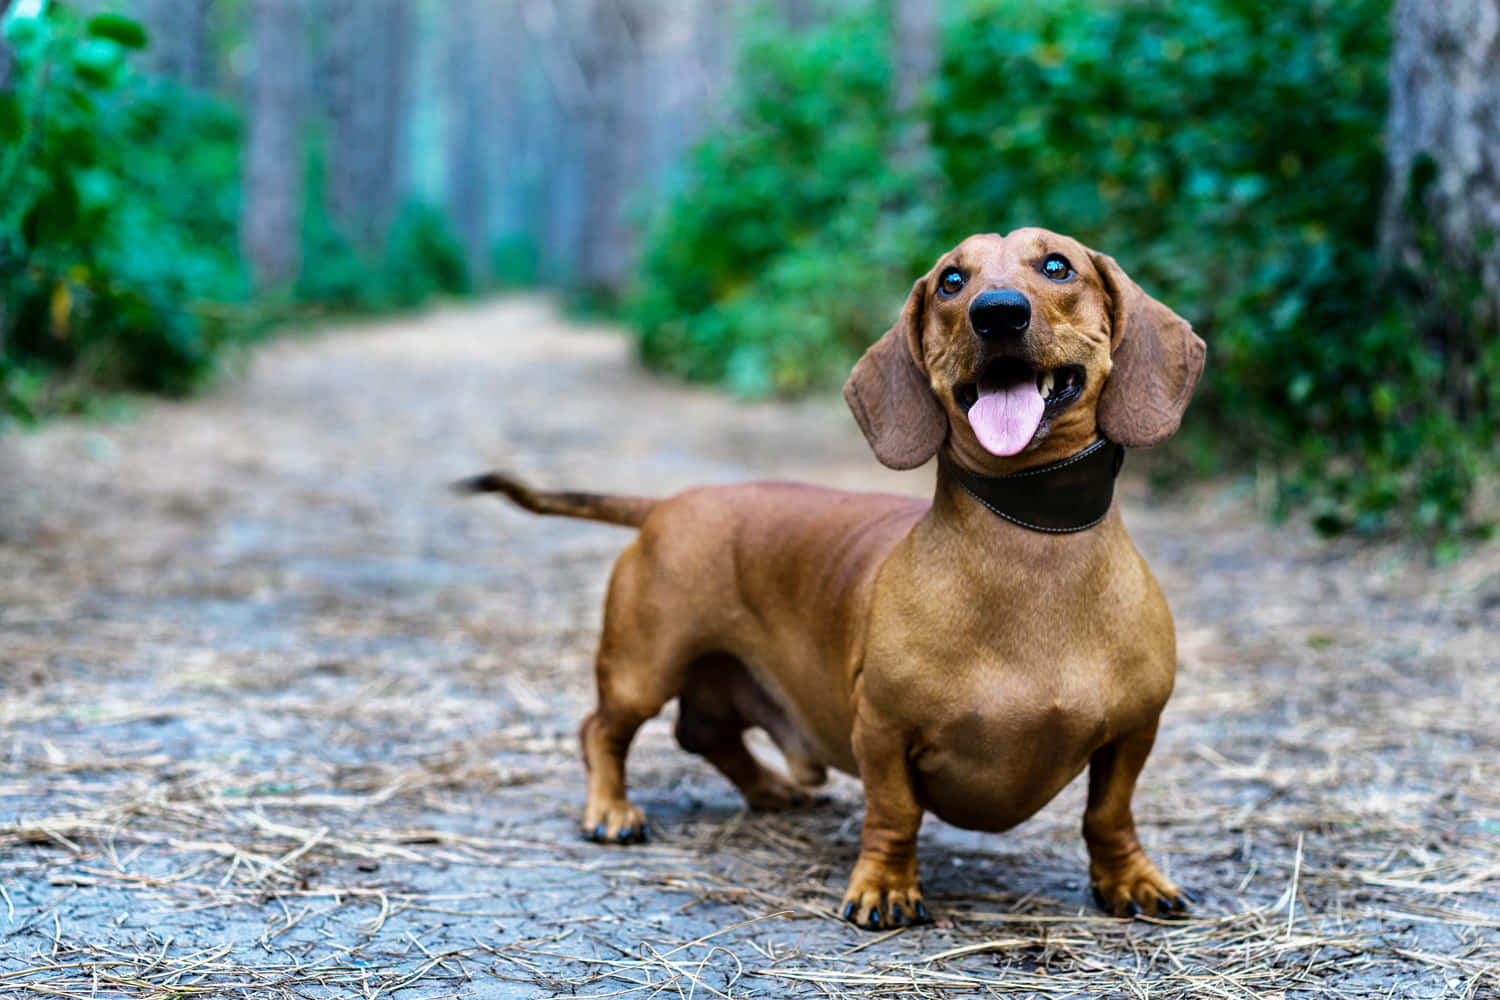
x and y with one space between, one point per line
1010 400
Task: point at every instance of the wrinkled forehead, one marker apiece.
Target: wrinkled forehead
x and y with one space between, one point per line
1028 244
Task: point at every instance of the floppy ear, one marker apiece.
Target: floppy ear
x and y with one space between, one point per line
1157 360
890 394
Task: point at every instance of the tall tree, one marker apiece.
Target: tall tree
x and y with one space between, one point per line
366 72
271 219
467 128
7 58
512 97
587 57
181 40
914 63
799 14
684 69
608 38
1444 132
554 122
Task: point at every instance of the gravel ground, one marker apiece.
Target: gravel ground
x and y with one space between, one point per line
283 718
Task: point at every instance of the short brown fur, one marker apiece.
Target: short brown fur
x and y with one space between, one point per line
955 662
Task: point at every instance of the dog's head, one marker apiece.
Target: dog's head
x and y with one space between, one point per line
1027 345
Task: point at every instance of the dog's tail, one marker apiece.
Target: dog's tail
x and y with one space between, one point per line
611 508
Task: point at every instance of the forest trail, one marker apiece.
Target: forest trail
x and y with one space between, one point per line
284 717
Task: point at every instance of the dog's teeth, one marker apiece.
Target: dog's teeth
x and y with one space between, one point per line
1046 385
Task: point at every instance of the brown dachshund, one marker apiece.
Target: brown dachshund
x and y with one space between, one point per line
968 656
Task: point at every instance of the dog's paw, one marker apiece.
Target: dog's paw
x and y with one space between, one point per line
773 793
1139 889
806 772
878 903
614 823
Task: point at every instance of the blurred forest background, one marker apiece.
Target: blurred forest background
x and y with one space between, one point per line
1315 184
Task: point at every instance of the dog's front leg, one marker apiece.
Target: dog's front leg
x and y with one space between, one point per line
883 890
1125 882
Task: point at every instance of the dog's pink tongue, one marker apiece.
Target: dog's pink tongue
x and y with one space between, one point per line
1005 420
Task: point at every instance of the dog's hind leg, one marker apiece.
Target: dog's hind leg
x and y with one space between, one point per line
641 665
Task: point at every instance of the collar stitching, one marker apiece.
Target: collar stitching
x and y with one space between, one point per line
1027 524
963 477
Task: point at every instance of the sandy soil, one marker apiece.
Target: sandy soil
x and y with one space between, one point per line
282 717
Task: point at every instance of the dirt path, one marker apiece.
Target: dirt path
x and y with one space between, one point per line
283 718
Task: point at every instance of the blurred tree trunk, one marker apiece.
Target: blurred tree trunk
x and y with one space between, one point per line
7 59
562 156
685 67
914 63
367 73
468 129
799 14
181 46
608 41
513 96
614 92
1443 144
271 219
395 52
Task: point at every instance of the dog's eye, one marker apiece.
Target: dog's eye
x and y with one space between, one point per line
951 281
1056 267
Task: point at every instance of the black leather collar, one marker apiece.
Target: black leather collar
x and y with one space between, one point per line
1068 495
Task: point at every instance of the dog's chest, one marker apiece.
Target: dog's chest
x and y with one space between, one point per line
1003 750
1008 673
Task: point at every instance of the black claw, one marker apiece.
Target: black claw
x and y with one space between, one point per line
645 832
599 833
797 801
1098 897
626 834
849 912
872 920
1184 898
896 915
922 912
1133 909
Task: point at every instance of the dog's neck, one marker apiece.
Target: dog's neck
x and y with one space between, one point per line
1059 498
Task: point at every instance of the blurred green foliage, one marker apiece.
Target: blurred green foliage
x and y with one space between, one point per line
119 221
775 263
421 258
1227 152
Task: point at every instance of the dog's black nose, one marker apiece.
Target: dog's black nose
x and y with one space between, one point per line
1001 313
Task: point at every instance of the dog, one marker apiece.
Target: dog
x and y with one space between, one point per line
967 656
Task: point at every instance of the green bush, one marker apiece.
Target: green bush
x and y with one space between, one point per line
1226 152
421 258
764 272
117 221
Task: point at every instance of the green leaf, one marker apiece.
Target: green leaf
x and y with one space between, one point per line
54 216
12 120
98 60
22 31
118 29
